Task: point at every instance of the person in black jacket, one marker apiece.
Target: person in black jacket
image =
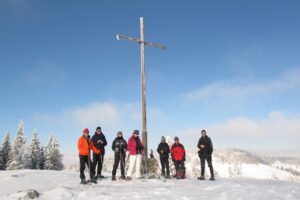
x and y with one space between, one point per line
206 149
163 150
119 146
100 142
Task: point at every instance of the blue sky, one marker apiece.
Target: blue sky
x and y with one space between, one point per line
231 67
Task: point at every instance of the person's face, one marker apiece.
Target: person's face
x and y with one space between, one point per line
135 135
119 135
98 131
203 133
86 134
177 141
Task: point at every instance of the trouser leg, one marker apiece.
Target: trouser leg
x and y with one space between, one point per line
91 167
202 161
95 161
123 165
167 167
209 162
100 165
82 166
138 165
163 165
116 164
132 159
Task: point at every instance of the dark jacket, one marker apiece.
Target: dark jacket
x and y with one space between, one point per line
163 146
119 145
208 147
100 146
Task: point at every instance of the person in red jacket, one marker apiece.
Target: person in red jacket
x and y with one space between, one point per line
84 156
136 150
178 157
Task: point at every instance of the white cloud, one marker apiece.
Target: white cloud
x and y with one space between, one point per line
107 114
240 88
95 114
276 131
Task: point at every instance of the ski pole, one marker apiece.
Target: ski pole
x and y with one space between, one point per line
89 164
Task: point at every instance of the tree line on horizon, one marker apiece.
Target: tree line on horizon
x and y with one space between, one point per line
24 155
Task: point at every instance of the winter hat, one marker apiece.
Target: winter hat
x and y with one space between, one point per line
163 139
98 128
120 133
86 130
176 138
136 132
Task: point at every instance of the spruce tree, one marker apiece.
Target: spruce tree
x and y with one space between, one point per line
42 158
52 155
18 149
35 151
6 150
2 165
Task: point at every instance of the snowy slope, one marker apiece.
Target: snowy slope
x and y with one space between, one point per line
55 185
233 163
242 164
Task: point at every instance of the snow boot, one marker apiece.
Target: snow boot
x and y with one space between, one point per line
128 178
201 178
123 177
113 178
93 180
100 176
83 181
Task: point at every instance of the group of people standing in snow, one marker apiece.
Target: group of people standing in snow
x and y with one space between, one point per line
135 148
178 156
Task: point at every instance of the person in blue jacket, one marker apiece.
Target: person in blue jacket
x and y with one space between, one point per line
100 142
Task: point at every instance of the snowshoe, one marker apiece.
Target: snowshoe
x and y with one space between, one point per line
201 178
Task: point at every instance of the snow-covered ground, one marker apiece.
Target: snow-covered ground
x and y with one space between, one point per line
54 185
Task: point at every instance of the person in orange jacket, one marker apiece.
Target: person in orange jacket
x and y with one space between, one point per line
84 156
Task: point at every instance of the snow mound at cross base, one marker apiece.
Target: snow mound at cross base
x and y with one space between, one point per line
56 185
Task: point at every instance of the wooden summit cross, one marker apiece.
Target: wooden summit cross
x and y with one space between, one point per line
142 43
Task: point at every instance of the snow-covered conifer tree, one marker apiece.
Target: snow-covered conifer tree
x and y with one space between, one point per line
6 150
18 148
35 151
53 158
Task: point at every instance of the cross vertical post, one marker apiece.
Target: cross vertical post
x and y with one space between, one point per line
142 43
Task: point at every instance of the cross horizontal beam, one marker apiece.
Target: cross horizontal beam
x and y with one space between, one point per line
132 39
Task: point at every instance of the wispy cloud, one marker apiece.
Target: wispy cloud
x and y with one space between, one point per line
245 87
45 73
